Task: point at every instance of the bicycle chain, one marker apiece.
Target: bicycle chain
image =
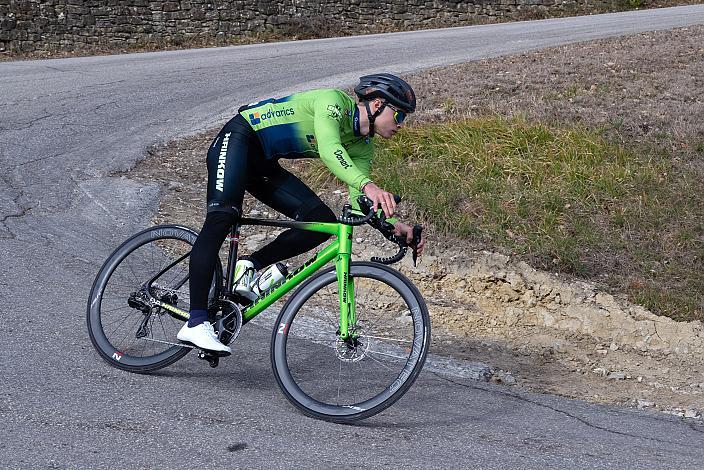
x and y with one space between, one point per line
183 345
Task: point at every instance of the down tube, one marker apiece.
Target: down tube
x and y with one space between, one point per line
293 279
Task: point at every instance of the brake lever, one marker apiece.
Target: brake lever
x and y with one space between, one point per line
417 230
378 221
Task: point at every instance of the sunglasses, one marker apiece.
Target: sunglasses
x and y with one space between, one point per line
399 115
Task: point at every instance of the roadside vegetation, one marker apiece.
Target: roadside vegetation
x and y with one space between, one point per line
585 160
564 199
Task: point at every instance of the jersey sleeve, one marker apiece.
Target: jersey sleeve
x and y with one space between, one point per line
362 154
327 122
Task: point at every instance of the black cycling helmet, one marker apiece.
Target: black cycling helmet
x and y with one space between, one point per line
387 87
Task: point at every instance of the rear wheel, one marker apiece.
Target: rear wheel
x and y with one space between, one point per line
344 381
127 330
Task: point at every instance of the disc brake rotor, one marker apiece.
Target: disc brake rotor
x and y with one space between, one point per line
352 349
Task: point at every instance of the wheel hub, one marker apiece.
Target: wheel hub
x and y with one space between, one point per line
352 349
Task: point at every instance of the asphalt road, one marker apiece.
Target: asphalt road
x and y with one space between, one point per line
66 125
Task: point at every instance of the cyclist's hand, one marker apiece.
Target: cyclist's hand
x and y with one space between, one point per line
405 230
380 198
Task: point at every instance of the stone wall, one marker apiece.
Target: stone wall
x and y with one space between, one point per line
70 25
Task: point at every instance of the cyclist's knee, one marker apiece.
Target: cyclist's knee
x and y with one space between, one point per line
222 207
219 222
315 212
215 228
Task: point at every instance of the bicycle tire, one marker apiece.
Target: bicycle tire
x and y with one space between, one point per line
162 238
285 329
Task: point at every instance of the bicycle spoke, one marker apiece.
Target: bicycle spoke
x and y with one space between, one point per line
130 330
121 320
136 278
144 346
166 337
384 338
380 363
152 257
121 323
126 307
338 383
128 288
114 323
360 370
386 354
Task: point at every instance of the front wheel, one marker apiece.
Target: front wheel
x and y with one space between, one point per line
348 380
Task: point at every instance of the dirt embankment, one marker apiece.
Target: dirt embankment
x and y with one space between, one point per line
539 330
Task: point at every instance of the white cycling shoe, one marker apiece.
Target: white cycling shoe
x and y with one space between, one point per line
204 337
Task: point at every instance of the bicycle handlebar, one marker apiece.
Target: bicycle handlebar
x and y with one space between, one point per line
352 219
366 205
391 259
378 221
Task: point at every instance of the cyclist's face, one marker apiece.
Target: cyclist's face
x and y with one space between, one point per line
389 121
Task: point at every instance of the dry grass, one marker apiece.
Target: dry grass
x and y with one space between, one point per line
642 94
587 158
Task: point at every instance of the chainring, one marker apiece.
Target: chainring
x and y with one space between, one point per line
228 321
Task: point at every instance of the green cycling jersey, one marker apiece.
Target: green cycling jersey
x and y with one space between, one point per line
319 123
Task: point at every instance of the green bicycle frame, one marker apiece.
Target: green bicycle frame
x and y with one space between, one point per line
339 250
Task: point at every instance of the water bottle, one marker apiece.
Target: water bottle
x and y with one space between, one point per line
271 276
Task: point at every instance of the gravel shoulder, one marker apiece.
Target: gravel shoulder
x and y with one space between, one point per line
538 330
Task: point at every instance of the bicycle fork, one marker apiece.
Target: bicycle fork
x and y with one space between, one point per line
345 284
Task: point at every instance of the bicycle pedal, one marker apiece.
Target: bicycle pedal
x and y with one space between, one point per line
213 359
205 354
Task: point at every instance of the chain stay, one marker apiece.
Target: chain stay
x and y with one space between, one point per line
183 345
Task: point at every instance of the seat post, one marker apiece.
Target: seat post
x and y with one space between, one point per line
234 239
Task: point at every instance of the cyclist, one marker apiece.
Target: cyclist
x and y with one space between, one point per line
325 124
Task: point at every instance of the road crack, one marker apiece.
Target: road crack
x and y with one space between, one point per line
15 216
39 159
577 418
23 210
